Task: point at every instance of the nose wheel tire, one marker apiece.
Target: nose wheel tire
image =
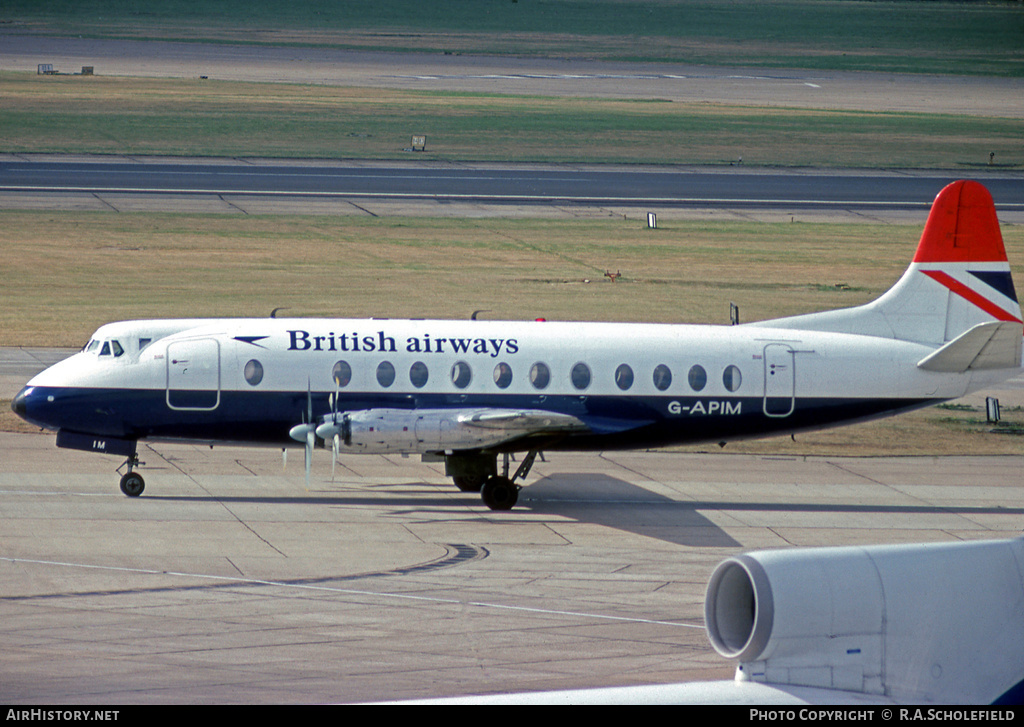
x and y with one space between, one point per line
132 484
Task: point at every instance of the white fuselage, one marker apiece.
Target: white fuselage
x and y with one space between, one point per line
689 382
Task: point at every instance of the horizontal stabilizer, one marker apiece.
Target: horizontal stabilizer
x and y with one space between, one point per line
991 345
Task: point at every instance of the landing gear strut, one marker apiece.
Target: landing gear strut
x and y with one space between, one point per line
132 483
501 492
478 472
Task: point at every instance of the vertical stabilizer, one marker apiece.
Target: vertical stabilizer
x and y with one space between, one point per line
962 227
959 278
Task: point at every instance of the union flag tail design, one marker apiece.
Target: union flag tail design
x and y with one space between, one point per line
962 250
958 280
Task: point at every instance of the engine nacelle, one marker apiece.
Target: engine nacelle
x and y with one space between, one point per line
922 623
411 431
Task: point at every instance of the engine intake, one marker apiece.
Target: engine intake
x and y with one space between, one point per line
932 622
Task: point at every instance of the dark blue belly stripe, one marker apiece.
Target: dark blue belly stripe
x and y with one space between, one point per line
265 417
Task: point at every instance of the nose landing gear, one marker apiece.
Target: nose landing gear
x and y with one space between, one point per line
132 483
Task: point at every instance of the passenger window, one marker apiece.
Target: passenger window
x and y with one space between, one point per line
385 374
624 377
698 377
253 372
540 375
503 375
731 378
342 374
580 376
662 377
461 374
418 374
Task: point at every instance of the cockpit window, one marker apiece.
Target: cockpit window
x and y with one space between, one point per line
92 345
111 347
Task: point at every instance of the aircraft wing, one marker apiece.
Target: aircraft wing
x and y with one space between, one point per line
521 422
432 430
506 425
749 694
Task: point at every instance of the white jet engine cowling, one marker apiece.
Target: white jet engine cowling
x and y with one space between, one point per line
921 623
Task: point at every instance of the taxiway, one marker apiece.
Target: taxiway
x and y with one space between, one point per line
230 582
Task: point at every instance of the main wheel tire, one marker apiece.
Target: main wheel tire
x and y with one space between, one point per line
132 484
499 493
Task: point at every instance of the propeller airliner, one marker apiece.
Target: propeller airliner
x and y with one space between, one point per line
474 392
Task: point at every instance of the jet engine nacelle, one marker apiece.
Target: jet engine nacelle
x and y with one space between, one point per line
414 431
918 623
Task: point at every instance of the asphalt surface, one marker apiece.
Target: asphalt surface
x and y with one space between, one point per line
535 184
230 582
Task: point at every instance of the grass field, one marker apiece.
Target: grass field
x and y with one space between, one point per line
926 37
123 266
217 118
119 266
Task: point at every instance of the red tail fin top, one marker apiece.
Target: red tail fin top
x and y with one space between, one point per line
962 227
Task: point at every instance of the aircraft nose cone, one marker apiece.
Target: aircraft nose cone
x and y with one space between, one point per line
20 406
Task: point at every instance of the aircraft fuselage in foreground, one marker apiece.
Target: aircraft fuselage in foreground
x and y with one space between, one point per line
470 391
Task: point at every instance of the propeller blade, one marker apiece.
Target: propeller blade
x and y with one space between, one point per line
335 446
310 442
310 430
335 443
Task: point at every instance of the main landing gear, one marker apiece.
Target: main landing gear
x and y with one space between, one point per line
471 473
132 483
500 493
479 473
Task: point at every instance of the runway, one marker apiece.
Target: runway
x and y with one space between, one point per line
516 184
229 582
440 189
